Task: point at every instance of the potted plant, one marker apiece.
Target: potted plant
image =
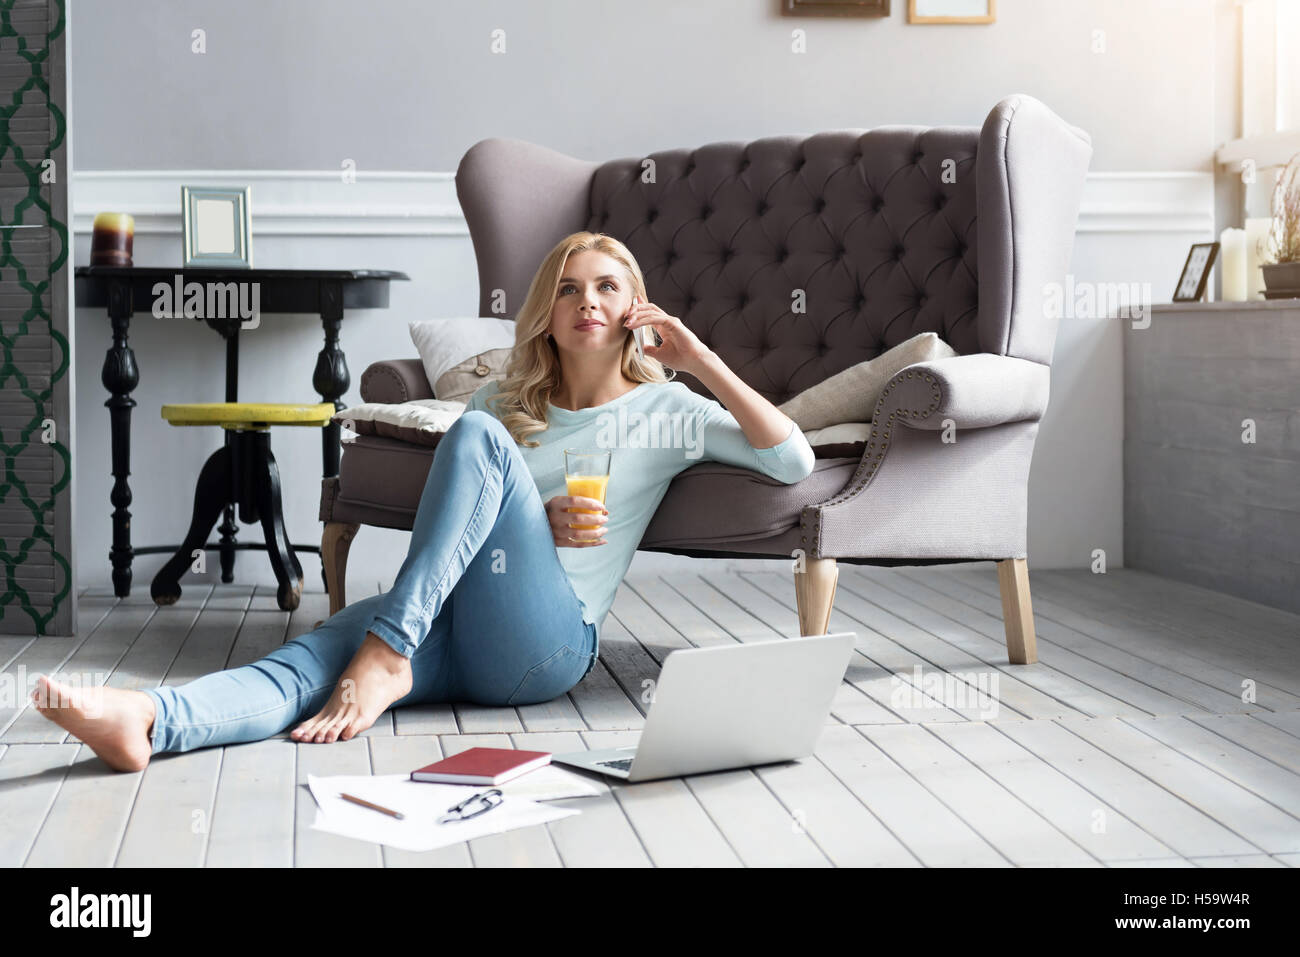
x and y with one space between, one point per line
1281 253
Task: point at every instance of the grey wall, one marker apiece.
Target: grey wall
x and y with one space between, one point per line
401 85
410 84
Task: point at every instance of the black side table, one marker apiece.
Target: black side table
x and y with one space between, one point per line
123 289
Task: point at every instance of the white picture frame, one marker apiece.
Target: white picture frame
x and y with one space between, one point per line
217 226
951 11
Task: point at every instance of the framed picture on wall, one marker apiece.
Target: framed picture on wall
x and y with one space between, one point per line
951 11
1191 284
835 8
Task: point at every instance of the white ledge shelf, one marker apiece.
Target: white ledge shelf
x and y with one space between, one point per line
1258 305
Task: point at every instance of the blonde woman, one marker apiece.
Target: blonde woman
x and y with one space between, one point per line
500 598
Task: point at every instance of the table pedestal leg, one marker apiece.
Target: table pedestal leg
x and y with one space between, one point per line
229 528
331 378
120 377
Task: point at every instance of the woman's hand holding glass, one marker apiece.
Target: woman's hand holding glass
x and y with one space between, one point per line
573 529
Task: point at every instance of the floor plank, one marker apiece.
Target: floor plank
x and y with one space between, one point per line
924 635
1236 763
1259 737
926 826
1161 654
1014 827
1056 645
89 815
1103 832
30 777
1254 820
313 848
1204 628
1129 744
252 819
172 815
1187 830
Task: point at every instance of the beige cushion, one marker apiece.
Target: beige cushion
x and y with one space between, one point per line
420 422
460 355
846 440
423 421
851 396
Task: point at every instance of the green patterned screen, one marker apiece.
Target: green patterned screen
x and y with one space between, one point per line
37 594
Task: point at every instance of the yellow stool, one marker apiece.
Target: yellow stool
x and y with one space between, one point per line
243 474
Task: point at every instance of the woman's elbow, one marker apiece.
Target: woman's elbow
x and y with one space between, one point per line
801 468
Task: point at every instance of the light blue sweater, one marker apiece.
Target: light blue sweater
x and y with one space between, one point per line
655 431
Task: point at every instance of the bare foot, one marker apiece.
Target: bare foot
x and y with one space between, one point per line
112 722
375 678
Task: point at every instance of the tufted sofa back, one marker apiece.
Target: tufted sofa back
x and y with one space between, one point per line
795 257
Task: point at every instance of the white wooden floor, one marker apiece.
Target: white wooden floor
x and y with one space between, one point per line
1127 744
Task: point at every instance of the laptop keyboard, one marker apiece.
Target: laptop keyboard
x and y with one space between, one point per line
622 764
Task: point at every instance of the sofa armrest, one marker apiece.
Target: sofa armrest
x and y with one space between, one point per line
395 380
971 392
921 493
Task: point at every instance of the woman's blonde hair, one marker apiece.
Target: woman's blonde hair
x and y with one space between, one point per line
533 369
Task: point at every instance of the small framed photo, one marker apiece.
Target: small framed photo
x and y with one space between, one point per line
951 11
1200 260
217 226
835 8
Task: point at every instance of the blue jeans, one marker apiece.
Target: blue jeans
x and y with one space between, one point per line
481 606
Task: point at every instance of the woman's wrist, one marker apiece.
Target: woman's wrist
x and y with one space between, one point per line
705 365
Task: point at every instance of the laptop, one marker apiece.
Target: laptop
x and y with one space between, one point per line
731 706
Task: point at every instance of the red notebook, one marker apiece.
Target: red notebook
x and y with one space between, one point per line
482 766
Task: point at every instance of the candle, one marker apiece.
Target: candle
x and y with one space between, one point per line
1232 264
111 240
1256 232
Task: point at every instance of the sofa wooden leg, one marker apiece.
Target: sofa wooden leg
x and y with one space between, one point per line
814 593
334 545
1017 611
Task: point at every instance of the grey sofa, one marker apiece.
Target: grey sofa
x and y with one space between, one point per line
888 232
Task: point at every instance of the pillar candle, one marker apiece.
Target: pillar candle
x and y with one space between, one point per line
111 240
1256 232
1232 264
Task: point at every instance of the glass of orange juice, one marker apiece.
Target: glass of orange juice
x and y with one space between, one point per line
586 474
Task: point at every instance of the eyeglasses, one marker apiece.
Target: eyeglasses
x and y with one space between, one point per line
488 800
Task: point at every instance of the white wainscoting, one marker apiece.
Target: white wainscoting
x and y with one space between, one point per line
1134 227
397 203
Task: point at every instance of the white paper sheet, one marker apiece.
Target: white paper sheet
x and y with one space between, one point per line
422 804
550 783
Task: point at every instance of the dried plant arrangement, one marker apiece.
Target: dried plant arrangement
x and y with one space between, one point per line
1282 245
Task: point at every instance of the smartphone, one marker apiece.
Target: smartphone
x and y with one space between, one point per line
643 335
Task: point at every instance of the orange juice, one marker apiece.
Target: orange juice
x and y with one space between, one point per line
587 486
